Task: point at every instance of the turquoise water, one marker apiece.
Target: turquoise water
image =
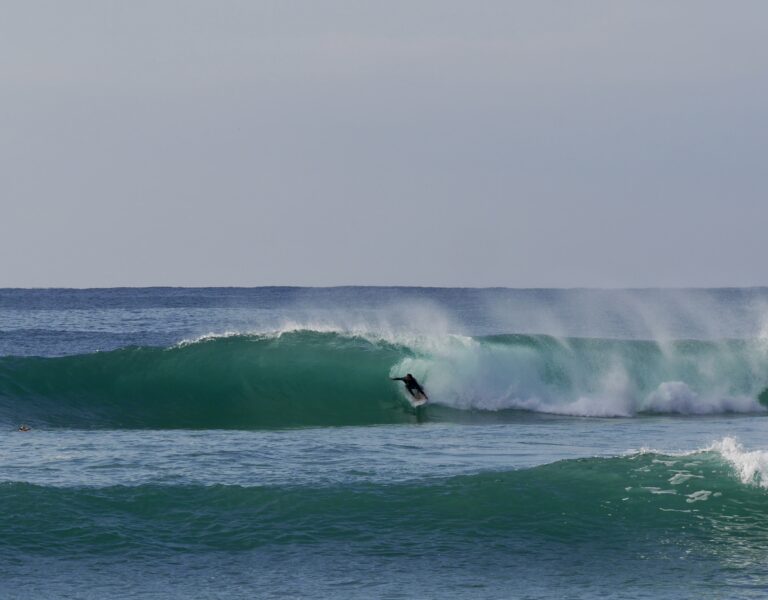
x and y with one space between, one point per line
248 443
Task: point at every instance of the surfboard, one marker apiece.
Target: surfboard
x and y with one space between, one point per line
418 400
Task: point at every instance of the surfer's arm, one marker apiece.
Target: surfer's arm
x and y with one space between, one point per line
397 378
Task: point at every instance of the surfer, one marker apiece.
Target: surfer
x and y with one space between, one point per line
413 387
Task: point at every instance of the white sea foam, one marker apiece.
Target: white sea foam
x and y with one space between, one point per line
678 397
750 466
700 496
682 477
465 374
205 337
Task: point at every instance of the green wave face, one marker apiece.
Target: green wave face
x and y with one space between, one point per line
697 501
301 379
310 378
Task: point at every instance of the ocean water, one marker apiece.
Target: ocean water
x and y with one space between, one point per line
248 443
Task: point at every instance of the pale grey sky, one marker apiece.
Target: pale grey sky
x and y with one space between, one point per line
419 142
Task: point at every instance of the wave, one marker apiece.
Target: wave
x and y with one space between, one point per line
317 378
702 497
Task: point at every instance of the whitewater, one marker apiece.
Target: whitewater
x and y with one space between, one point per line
240 443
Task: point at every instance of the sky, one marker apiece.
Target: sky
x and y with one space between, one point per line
540 143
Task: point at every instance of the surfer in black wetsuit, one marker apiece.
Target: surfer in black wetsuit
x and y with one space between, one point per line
412 386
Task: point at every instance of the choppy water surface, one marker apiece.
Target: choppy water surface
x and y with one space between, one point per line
227 443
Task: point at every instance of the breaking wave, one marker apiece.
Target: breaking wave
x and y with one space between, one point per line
324 378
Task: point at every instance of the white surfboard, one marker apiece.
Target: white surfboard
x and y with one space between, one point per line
418 400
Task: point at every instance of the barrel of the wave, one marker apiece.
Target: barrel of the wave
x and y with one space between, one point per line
294 379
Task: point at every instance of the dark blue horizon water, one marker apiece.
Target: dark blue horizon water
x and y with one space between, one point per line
246 442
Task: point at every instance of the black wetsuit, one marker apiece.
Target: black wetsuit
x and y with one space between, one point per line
411 385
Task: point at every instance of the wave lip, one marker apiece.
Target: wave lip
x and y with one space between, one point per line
297 377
